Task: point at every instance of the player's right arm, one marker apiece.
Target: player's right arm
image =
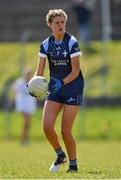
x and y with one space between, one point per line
40 67
42 59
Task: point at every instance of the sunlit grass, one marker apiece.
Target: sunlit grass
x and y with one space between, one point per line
14 56
90 123
96 160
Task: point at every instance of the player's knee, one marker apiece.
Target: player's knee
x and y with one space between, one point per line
65 131
47 127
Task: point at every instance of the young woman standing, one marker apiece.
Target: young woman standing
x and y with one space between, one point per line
65 86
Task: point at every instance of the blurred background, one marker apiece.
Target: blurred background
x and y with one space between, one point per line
23 27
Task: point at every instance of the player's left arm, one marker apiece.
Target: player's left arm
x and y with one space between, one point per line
74 73
75 63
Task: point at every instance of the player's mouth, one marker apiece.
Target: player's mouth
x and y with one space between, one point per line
61 29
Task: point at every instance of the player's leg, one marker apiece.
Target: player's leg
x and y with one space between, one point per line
69 115
26 125
51 110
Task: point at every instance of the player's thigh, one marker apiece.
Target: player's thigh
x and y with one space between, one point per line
50 112
69 115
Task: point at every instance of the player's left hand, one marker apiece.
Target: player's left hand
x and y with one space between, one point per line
55 84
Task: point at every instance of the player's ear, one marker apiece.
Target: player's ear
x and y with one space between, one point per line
49 24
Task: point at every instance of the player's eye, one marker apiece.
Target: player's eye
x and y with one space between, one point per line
62 22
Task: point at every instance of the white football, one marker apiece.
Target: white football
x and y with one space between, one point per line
38 86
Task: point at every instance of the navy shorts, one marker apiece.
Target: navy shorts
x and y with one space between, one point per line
69 100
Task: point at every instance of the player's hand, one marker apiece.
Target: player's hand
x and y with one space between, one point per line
55 85
31 92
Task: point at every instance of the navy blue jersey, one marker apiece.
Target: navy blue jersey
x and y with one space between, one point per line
59 54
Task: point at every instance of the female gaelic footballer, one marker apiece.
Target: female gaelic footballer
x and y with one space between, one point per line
65 86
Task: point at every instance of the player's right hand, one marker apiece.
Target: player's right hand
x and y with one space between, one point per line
31 92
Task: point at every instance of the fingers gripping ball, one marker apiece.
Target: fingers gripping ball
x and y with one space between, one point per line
38 86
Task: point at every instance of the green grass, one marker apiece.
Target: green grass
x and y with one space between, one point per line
14 56
98 135
97 130
91 123
96 159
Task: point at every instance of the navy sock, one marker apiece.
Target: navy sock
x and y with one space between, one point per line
73 164
59 152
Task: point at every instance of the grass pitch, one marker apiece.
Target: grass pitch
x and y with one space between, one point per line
99 82
97 159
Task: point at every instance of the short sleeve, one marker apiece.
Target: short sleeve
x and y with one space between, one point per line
42 52
43 48
74 47
75 51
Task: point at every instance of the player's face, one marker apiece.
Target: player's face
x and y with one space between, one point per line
58 25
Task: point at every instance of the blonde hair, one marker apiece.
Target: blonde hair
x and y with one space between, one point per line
53 13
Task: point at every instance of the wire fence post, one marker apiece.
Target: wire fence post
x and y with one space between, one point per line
106 37
23 40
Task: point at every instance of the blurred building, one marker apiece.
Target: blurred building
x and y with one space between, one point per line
28 17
